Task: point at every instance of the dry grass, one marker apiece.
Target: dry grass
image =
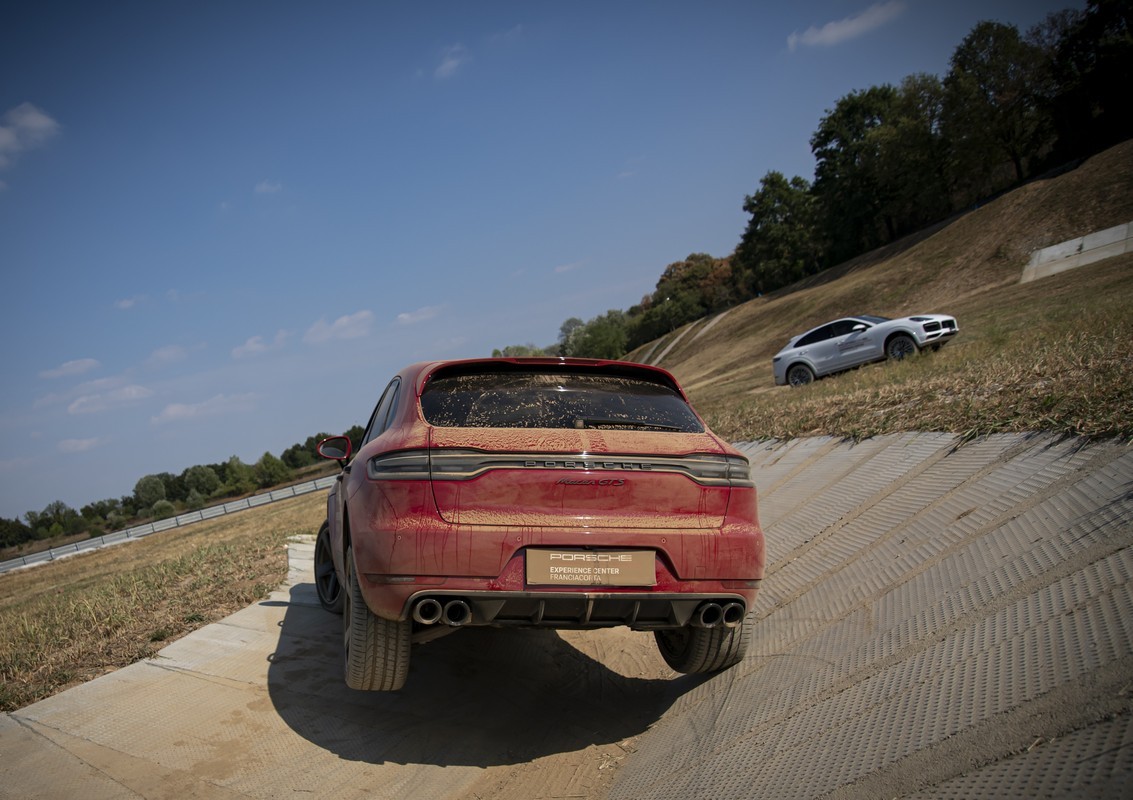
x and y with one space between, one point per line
75 619
1051 357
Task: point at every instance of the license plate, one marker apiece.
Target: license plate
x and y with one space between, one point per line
591 567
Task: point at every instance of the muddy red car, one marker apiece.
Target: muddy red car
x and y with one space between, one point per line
553 492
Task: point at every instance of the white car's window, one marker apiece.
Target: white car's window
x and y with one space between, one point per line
816 336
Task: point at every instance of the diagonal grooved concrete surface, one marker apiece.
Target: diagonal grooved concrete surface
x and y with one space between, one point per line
938 621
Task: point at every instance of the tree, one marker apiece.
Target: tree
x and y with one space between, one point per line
994 111
847 187
297 456
602 337
175 488
14 532
1091 53
163 509
704 282
149 490
519 351
56 519
238 477
780 244
200 479
270 471
567 331
912 157
100 510
355 434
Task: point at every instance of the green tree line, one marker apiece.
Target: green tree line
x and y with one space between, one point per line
164 494
891 160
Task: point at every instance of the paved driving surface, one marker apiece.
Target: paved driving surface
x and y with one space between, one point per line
937 622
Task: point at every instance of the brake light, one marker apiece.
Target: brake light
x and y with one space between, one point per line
410 465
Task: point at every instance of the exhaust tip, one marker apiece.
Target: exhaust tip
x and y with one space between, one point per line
427 611
708 615
456 613
733 614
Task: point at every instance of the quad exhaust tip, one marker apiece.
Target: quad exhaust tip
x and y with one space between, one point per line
430 611
456 613
711 615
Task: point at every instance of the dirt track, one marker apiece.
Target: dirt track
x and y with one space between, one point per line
937 622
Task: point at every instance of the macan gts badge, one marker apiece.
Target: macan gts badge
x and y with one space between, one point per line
615 504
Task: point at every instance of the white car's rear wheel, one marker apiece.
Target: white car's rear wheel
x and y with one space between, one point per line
799 375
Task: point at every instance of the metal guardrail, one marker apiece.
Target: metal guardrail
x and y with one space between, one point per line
181 520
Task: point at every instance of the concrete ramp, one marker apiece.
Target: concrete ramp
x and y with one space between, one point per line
939 621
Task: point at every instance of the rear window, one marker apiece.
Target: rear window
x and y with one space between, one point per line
555 400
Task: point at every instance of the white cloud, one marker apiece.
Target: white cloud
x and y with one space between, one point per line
23 128
256 345
833 33
348 327
79 445
214 406
268 187
106 401
169 354
561 268
452 60
127 303
420 315
69 368
510 35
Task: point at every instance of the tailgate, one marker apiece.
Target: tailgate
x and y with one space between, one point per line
578 478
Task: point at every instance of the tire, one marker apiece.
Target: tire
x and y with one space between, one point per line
696 650
376 649
899 347
327 585
799 375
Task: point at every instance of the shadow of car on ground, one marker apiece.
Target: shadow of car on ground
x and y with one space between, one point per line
479 697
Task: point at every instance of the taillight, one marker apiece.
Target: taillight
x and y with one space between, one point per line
732 470
463 465
410 465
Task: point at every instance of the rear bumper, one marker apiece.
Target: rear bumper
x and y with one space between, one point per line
577 610
507 600
401 558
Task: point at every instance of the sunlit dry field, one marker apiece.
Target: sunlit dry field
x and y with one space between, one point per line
71 620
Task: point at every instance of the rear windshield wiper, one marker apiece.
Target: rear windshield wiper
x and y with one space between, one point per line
592 422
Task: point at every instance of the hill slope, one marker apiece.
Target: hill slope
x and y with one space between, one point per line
969 266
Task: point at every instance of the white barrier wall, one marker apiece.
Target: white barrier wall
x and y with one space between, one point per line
1078 252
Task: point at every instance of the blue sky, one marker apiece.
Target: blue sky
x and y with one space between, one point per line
225 225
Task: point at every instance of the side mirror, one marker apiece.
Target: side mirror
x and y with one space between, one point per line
336 448
859 328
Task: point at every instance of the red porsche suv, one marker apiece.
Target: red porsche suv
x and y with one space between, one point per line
545 492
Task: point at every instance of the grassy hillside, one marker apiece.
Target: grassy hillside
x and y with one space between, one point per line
1052 354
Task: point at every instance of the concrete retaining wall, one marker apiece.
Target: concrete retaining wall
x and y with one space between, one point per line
1078 252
